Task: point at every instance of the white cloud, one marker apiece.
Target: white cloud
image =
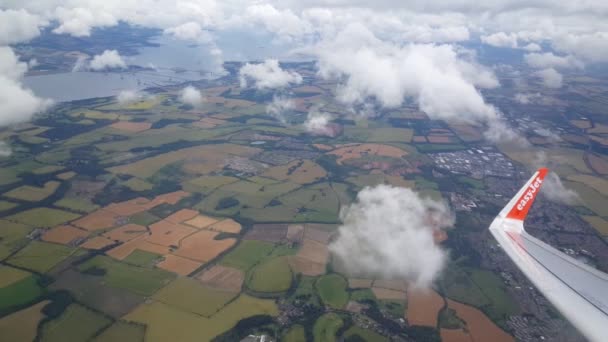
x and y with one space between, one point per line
109 59
528 98
435 76
191 31
532 47
554 190
78 21
591 46
501 39
550 60
191 96
388 233
318 122
279 106
5 150
268 75
550 78
18 26
127 97
17 104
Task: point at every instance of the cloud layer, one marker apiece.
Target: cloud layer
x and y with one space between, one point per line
267 75
388 233
109 59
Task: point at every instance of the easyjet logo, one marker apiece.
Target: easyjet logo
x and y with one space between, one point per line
529 193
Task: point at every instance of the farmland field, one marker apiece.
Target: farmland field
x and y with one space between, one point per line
40 256
76 323
478 325
122 332
190 295
332 290
42 217
20 292
10 275
423 307
326 327
247 254
32 193
273 275
21 325
365 335
139 280
295 334
142 258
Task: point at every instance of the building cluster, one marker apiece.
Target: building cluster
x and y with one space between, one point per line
475 162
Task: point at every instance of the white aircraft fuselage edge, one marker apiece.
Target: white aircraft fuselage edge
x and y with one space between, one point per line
578 291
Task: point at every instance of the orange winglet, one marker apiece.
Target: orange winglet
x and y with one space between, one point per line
523 204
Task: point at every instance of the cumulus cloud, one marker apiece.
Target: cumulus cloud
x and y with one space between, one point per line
388 233
191 31
5 150
191 96
318 123
441 81
18 26
78 21
279 106
17 103
532 47
528 98
550 78
127 97
550 60
267 75
554 190
501 39
109 59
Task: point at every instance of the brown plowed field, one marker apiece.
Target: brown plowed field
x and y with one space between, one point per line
166 233
356 283
64 234
129 126
306 266
317 235
267 232
202 247
179 265
480 327
223 278
295 233
100 219
598 164
131 207
126 232
455 335
398 285
201 221
423 307
314 251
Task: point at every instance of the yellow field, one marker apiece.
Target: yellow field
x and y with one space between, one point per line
597 183
10 275
598 223
212 155
166 323
32 193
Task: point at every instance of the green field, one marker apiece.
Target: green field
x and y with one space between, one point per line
8 176
5 205
137 184
12 237
272 275
47 169
378 135
43 217
40 256
76 204
18 293
332 290
247 254
142 258
167 323
362 295
144 218
326 327
295 334
190 295
143 281
364 335
122 332
76 323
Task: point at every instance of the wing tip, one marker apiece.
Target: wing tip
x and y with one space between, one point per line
519 209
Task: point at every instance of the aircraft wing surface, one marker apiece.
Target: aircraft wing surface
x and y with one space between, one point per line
578 291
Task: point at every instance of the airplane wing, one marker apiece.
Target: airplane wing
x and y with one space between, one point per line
578 291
